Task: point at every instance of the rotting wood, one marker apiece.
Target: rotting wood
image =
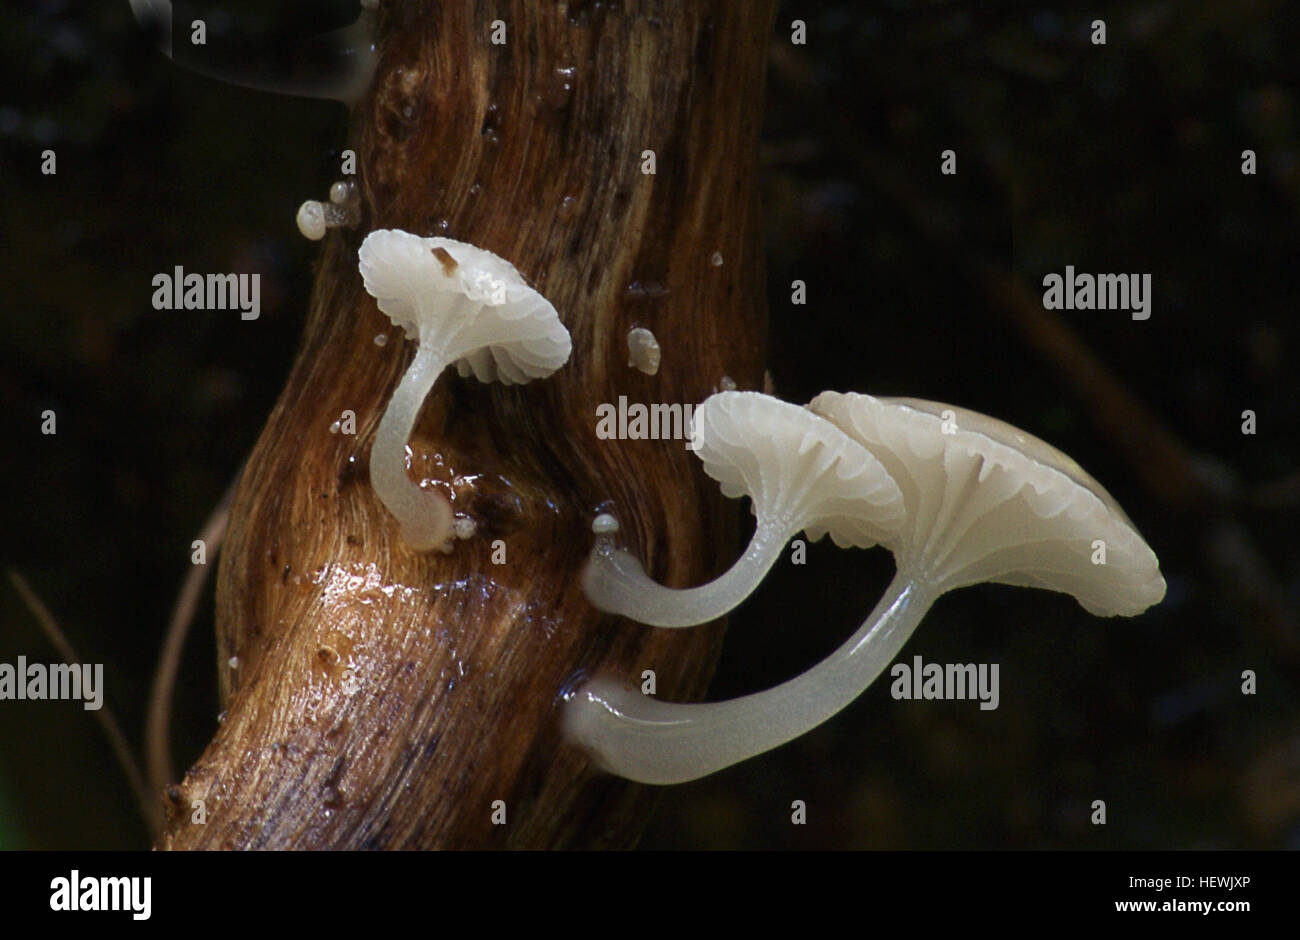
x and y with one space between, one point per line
379 698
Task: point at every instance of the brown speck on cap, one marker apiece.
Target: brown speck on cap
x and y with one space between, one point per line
446 260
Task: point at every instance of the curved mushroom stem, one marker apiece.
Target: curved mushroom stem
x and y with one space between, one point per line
615 582
336 65
643 739
425 516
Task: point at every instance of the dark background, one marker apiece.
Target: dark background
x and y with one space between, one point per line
1117 158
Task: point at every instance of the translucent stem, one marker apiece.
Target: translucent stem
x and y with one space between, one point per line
616 582
425 516
336 65
641 738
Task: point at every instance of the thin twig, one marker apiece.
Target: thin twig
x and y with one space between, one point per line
157 733
149 809
1159 458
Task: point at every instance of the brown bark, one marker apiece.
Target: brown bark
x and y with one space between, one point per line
384 698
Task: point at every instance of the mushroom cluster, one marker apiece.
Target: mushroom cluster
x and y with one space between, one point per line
959 498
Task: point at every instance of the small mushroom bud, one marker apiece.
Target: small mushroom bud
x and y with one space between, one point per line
344 193
643 351
316 218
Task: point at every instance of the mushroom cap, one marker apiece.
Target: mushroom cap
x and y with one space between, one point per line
988 502
469 303
796 467
311 220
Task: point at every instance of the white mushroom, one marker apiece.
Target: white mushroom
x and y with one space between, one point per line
464 305
311 220
344 193
343 210
985 502
988 502
800 472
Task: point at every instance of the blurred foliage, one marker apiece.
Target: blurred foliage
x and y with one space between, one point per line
1123 157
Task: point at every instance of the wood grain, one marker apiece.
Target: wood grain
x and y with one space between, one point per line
384 698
